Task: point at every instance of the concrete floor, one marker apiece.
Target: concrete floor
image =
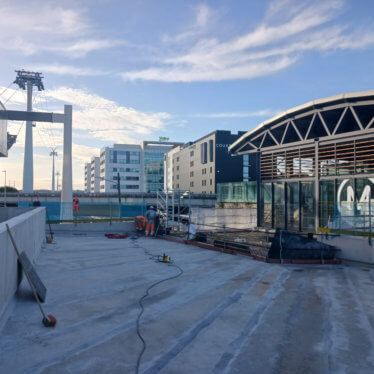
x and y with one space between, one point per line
225 314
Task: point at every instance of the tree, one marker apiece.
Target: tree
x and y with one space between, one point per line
8 189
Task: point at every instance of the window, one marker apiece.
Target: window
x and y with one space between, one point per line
131 170
204 151
177 159
132 178
191 184
203 171
191 163
203 182
191 153
177 185
211 182
191 173
132 186
178 176
211 169
211 150
178 167
114 169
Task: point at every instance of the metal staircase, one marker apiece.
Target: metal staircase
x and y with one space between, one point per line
174 207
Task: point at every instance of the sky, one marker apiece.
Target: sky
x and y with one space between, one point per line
139 69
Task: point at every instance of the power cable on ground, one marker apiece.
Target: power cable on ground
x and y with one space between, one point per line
140 302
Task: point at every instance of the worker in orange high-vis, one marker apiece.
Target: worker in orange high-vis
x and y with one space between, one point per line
140 223
151 220
75 204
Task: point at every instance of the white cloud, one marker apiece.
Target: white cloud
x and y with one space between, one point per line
68 70
288 29
257 113
208 73
101 118
97 122
204 16
41 27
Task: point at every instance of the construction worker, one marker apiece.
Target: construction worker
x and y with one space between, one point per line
151 219
140 223
75 204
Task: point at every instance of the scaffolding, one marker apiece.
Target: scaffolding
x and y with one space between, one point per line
174 209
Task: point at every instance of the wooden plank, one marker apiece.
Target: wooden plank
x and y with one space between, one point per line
36 281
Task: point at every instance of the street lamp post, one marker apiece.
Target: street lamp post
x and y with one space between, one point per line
53 154
118 186
4 171
57 174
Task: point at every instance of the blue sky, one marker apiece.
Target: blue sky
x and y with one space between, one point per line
140 69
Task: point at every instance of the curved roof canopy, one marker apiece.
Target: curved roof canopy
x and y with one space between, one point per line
322 118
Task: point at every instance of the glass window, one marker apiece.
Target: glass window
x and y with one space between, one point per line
307 206
266 202
204 151
153 170
326 202
279 205
211 150
293 206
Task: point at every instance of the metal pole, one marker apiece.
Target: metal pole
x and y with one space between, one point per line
189 211
53 154
28 166
4 171
316 186
119 188
167 208
67 177
173 204
179 210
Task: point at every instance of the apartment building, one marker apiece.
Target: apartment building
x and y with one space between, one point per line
200 165
140 166
87 177
95 175
168 167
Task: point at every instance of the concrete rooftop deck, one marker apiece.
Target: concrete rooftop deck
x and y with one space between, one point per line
225 314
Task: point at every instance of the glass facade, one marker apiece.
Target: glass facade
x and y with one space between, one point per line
279 205
347 204
267 205
288 206
153 170
293 205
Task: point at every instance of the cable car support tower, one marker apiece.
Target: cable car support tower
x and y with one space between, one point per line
26 80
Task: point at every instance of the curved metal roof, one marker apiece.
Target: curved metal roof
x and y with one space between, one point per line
298 111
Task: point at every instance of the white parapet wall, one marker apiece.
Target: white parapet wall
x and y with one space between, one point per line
94 228
28 229
352 248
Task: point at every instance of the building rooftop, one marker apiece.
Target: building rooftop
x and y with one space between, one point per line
330 102
224 314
